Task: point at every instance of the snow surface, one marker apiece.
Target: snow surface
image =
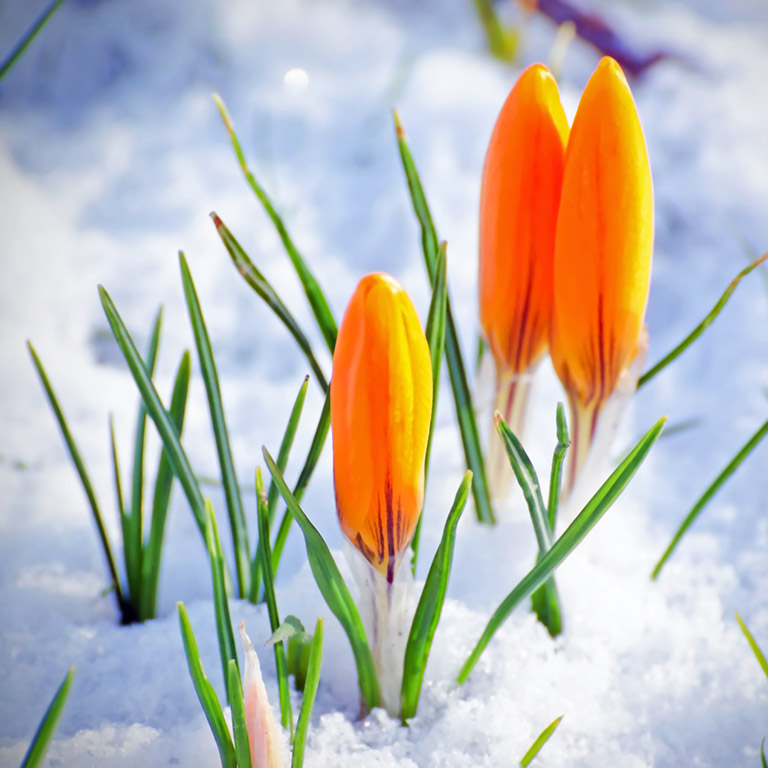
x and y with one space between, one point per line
111 157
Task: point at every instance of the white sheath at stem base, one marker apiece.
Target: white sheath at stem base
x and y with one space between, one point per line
387 612
593 431
512 395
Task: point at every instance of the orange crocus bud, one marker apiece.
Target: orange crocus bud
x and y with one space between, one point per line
381 402
603 248
519 202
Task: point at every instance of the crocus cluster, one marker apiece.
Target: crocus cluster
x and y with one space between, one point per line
566 237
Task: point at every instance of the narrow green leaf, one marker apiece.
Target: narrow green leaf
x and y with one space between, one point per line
269 595
762 753
242 745
465 413
116 468
205 693
165 426
481 347
134 535
285 447
264 289
310 691
556 476
313 456
753 645
435 333
541 740
502 42
299 650
334 590
597 506
430 607
224 631
312 290
705 498
237 521
132 515
42 738
153 548
545 601
85 479
30 35
702 326
289 627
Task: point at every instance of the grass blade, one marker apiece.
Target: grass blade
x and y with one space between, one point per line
435 333
285 447
753 645
545 601
153 547
269 595
82 472
541 740
237 521
334 591
312 290
762 754
165 426
242 745
133 530
313 456
205 693
702 326
556 476
465 413
130 608
221 603
30 35
264 289
310 691
272 496
597 506
42 738
430 607
704 499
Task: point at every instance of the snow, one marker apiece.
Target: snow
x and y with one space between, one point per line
112 155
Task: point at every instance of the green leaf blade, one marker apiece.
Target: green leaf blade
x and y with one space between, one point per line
226 636
239 727
334 591
558 457
206 695
705 498
30 35
310 692
702 326
313 456
759 655
465 413
267 293
210 375
269 595
153 547
315 296
82 472
435 334
430 607
540 741
133 531
597 506
42 738
165 427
